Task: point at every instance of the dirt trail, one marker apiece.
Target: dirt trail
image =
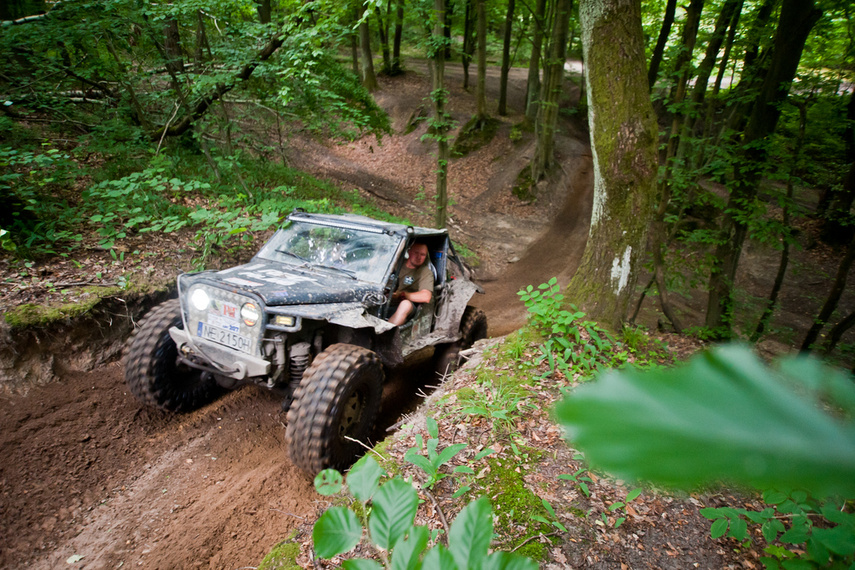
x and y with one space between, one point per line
89 480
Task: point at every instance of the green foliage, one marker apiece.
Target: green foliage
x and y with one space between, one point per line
433 460
573 345
809 533
391 508
723 416
727 417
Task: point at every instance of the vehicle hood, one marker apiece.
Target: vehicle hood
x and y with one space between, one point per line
279 284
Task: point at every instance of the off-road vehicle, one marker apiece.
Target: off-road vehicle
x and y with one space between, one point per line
306 317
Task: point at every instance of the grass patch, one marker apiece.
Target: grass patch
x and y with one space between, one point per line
475 134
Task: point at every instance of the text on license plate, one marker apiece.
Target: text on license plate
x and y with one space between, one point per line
224 337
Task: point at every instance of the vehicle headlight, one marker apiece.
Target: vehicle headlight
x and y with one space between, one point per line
200 300
250 314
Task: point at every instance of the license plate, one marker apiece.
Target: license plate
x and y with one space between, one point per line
224 337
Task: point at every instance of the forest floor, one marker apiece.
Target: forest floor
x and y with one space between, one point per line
89 480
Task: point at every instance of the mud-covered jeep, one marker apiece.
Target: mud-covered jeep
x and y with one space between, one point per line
306 318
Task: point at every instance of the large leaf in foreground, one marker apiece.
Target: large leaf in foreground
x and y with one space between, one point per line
337 531
724 416
395 506
471 533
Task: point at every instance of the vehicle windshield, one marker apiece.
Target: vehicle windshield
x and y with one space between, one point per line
352 251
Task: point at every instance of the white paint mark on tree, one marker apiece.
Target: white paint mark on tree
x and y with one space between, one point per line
621 269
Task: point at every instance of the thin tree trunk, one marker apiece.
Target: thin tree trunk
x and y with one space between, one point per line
550 92
659 50
439 96
383 35
624 141
396 43
796 20
506 59
836 204
172 47
532 89
785 252
833 298
468 42
481 86
837 331
682 66
369 78
707 66
201 41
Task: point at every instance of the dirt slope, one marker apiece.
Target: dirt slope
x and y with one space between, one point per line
89 480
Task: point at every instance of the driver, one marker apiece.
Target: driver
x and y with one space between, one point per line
415 284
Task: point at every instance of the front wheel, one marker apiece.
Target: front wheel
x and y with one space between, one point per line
473 327
334 408
152 372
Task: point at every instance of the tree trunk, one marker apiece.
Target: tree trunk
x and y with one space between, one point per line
683 65
754 67
439 96
837 331
550 92
383 35
833 298
265 12
664 32
706 67
835 204
506 59
785 222
796 20
369 78
481 86
172 47
468 43
396 43
446 28
532 88
201 42
624 141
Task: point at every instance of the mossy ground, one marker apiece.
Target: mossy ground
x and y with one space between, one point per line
282 557
478 132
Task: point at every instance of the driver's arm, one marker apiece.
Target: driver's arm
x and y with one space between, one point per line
423 296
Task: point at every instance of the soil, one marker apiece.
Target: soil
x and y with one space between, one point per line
90 480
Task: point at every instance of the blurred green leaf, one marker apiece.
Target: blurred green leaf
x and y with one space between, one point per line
723 416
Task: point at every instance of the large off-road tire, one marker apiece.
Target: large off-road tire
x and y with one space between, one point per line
337 401
473 327
151 370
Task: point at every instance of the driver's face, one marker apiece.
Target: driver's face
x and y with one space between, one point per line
418 253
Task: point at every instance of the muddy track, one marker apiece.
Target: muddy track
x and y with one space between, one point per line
86 472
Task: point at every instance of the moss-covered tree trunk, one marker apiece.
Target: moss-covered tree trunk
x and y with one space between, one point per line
624 139
468 43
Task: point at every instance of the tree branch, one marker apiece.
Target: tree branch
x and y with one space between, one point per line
217 93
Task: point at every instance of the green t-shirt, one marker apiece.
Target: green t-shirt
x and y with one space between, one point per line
415 280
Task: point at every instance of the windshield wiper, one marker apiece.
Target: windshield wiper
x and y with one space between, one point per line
294 255
347 272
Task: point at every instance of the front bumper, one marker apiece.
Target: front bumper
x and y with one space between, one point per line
200 353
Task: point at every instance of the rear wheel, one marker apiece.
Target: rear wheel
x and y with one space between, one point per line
473 327
152 372
334 408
